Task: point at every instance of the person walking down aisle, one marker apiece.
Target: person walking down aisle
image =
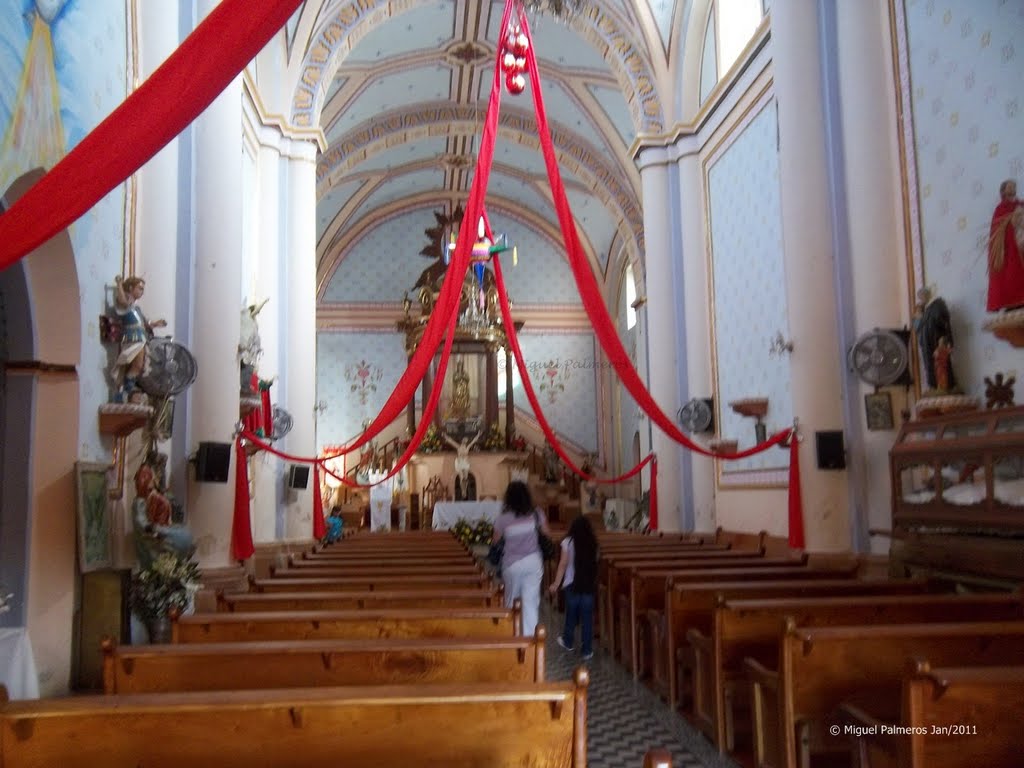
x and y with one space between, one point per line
577 572
522 566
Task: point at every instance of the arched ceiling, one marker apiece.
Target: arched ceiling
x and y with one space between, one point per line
399 89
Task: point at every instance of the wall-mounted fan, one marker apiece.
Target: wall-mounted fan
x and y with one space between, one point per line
697 415
282 423
170 368
881 358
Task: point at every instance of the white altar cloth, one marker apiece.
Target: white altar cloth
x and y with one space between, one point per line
447 513
17 665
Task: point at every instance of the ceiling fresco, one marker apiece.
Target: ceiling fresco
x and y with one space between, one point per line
399 90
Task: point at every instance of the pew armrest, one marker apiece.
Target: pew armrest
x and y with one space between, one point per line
760 675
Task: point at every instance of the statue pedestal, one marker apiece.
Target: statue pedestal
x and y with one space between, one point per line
1008 326
941 405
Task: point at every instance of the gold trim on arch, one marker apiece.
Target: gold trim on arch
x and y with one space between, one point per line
132 81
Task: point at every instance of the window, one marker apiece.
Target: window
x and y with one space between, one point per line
630 298
736 21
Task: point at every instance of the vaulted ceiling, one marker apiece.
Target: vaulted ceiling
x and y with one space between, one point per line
400 90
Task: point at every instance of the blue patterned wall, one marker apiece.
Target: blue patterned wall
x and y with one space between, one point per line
563 371
355 374
968 97
749 284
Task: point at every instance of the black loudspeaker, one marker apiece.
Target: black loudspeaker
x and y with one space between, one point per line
212 462
298 476
831 452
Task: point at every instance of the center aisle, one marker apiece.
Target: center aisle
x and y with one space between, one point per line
624 718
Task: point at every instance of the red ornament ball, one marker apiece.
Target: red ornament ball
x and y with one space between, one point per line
508 62
521 44
515 83
519 64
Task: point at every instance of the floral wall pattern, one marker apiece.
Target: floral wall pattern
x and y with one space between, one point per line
355 374
967 95
749 284
562 368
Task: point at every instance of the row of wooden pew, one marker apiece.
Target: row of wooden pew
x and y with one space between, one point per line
783 660
384 650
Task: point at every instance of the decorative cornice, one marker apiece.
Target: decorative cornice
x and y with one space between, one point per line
287 133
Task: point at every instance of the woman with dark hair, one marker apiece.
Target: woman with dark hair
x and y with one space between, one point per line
577 568
522 565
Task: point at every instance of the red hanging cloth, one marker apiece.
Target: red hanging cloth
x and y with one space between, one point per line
241 526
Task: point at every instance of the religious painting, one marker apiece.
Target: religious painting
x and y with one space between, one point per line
878 411
95 548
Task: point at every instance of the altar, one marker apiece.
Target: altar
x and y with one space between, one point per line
447 513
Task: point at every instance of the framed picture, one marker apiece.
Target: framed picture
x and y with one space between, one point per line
878 411
95 548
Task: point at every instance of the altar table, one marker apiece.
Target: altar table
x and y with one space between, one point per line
447 513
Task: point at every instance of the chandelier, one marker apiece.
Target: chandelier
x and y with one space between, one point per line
563 10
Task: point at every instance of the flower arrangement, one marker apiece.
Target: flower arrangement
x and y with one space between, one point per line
431 442
169 582
5 601
470 534
494 440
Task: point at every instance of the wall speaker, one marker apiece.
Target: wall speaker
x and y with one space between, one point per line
212 462
298 476
831 452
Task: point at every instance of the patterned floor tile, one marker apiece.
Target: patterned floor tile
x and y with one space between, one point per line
624 718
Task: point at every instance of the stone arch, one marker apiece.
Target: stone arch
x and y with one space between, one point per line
612 38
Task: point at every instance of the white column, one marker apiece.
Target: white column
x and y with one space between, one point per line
807 235
696 326
156 236
271 271
298 356
660 327
877 253
214 397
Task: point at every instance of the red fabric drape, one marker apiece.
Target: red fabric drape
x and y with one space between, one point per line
267 411
796 505
590 292
241 527
159 109
652 498
319 526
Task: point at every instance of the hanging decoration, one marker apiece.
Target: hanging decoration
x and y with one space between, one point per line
513 59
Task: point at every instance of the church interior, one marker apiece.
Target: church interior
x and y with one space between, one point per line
732 289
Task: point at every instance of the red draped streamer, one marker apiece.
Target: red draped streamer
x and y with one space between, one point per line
524 374
796 505
241 526
319 526
451 290
590 292
268 411
652 498
159 109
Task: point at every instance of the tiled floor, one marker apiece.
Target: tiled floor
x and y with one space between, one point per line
625 719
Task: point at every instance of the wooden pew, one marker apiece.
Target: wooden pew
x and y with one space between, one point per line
646 589
424 581
505 725
403 569
612 574
354 624
951 717
319 663
340 601
690 606
750 628
820 668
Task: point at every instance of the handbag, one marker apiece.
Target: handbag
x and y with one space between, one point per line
548 548
496 551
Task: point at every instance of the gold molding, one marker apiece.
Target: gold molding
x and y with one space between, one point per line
275 120
132 81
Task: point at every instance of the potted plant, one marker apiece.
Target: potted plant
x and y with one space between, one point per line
169 582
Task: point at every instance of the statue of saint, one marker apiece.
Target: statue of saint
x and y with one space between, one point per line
151 517
135 332
1006 251
462 450
459 407
932 324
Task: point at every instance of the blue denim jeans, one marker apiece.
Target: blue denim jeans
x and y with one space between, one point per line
579 608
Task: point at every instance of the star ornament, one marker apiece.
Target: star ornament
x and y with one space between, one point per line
999 391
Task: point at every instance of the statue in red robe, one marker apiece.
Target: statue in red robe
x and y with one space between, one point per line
1006 251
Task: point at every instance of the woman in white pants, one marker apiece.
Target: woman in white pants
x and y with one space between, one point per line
522 566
